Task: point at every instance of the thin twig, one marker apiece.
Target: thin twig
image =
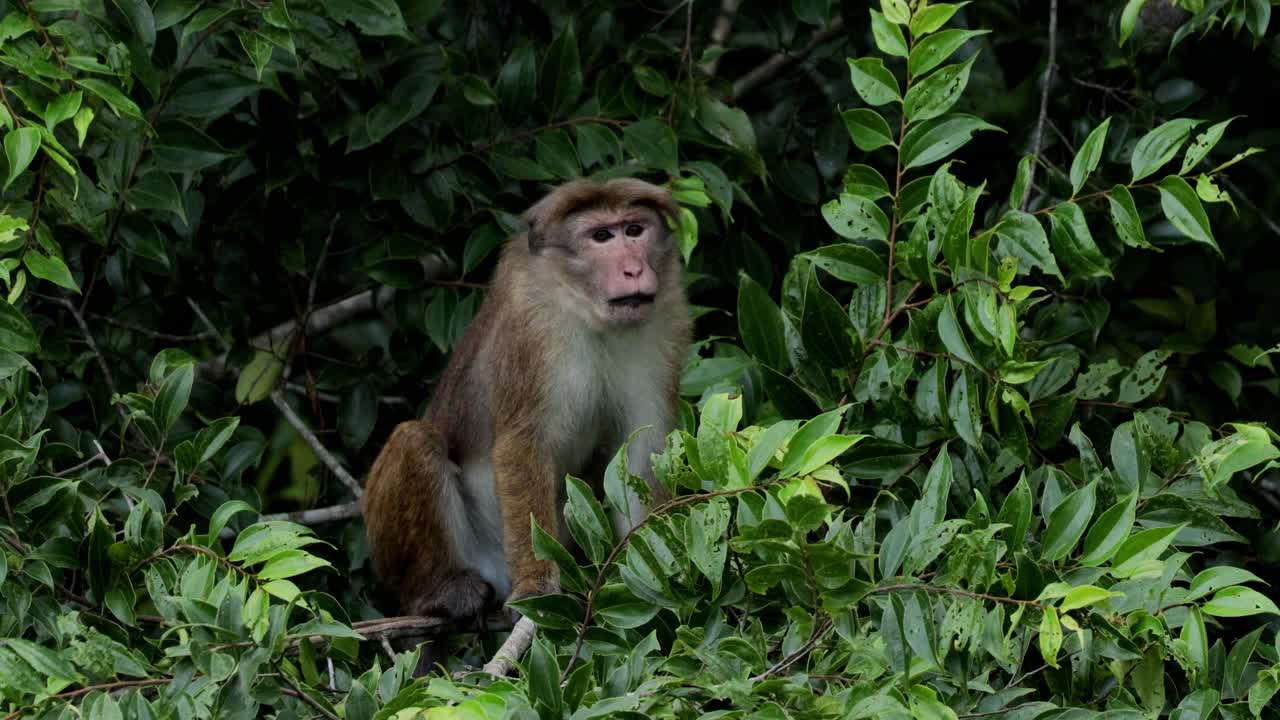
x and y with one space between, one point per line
314 443
331 398
105 687
819 629
315 704
184 547
99 455
775 65
1038 138
154 334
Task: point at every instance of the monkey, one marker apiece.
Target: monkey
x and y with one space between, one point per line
577 344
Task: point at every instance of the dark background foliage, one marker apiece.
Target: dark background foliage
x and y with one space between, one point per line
253 164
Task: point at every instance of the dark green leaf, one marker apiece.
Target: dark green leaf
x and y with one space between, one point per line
873 81
1067 523
1183 208
933 140
760 324
1086 159
652 143
935 95
1159 146
1073 243
867 128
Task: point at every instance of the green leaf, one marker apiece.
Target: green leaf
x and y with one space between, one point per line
855 217
1183 208
851 263
476 90
1129 18
258 49
82 120
935 95
1159 146
1239 601
1016 512
138 13
211 93
952 336
586 520
172 397
544 678
259 378
1022 236
652 143
867 128
1086 159
157 191
1073 243
1204 142
929 18
1021 180
1084 596
873 81
291 563
888 36
1050 636
561 72
20 148
63 107
1145 377
1128 224
48 267
729 125
935 139
373 17
651 81
1111 529
1216 578
1142 548
1067 523
896 11
933 51
16 333
760 324
819 453
964 408
116 100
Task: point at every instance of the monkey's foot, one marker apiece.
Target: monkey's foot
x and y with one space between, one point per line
463 595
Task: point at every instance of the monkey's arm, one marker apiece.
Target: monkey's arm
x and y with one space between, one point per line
526 486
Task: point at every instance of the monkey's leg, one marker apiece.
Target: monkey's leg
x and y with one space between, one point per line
526 485
415 516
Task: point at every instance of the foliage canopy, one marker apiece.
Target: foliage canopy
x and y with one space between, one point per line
978 423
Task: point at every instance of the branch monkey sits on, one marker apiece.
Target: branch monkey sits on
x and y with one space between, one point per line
579 342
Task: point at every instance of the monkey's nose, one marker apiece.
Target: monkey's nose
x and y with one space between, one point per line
632 269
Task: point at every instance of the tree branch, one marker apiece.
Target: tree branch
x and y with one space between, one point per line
774 66
720 33
316 446
517 643
1038 138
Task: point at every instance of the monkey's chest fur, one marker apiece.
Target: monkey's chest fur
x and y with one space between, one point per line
600 388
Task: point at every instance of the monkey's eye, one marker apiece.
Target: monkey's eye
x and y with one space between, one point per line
601 236
634 230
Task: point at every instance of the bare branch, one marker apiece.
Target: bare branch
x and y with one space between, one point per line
517 643
331 398
314 516
1038 139
720 33
154 334
279 339
314 443
774 66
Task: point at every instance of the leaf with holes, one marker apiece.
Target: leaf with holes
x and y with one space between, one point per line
1145 377
1073 243
935 95
933 140
873 81
933 51
856 218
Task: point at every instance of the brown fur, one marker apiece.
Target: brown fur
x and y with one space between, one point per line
497 399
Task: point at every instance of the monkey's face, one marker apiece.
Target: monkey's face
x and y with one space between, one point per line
619 256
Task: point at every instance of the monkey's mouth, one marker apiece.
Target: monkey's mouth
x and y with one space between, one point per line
631 301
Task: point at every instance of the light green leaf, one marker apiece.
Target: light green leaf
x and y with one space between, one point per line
856 218
1067 523
1204 142
1086 159
20 148
1021 236
1183 208
1129 18
48 267
928 18
1239 601
888 36
1111 529
1050 636
1084 596
1216 578
1127 221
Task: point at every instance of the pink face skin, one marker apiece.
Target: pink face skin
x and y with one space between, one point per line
619 251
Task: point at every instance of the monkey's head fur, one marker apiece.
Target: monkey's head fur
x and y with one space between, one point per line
612 242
